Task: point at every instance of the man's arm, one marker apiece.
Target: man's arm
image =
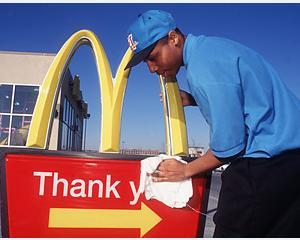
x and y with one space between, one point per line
173 170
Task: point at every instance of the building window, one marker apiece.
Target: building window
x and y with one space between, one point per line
24 99
4 129
5 98
71 129
16 108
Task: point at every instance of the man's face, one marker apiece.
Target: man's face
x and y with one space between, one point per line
166 58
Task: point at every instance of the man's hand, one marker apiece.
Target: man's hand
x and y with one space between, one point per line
187 99
169 170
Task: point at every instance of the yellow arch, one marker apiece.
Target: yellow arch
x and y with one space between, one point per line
112 93
112 96
175 126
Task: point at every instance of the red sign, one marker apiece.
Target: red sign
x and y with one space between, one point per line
61 196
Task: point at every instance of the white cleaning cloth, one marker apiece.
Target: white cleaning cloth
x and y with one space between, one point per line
173 194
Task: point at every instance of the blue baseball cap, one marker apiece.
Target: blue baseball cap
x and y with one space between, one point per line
145 32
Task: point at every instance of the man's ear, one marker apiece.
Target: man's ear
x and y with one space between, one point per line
173 37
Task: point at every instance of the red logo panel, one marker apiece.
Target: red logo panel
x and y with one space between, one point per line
60 196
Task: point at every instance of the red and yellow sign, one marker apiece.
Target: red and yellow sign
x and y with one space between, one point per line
63 196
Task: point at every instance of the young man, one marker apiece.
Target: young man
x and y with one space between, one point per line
254 124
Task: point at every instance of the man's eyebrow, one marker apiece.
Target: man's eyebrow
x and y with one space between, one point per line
146 58
149 57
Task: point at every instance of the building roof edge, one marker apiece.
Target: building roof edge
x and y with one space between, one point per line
28 53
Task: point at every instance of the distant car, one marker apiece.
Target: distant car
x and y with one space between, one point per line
221 168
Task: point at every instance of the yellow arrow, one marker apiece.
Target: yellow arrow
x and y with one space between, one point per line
145 218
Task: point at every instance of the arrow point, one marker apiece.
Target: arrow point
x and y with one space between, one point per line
150 219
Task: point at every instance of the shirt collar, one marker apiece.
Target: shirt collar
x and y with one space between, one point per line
186 48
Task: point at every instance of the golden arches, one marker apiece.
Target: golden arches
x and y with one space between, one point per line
175 128
112 93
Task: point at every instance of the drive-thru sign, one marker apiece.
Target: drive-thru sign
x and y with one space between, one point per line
52 194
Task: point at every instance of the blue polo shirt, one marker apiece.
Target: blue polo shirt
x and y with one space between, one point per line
242 99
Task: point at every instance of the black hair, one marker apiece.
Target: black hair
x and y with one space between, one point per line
179 32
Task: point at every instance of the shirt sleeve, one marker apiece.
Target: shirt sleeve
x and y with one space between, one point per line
222 107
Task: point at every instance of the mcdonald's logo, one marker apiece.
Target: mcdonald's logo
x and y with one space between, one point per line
112 94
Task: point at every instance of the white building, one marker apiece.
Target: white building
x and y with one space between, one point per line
21 76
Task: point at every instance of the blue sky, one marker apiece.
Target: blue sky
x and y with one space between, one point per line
271 29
